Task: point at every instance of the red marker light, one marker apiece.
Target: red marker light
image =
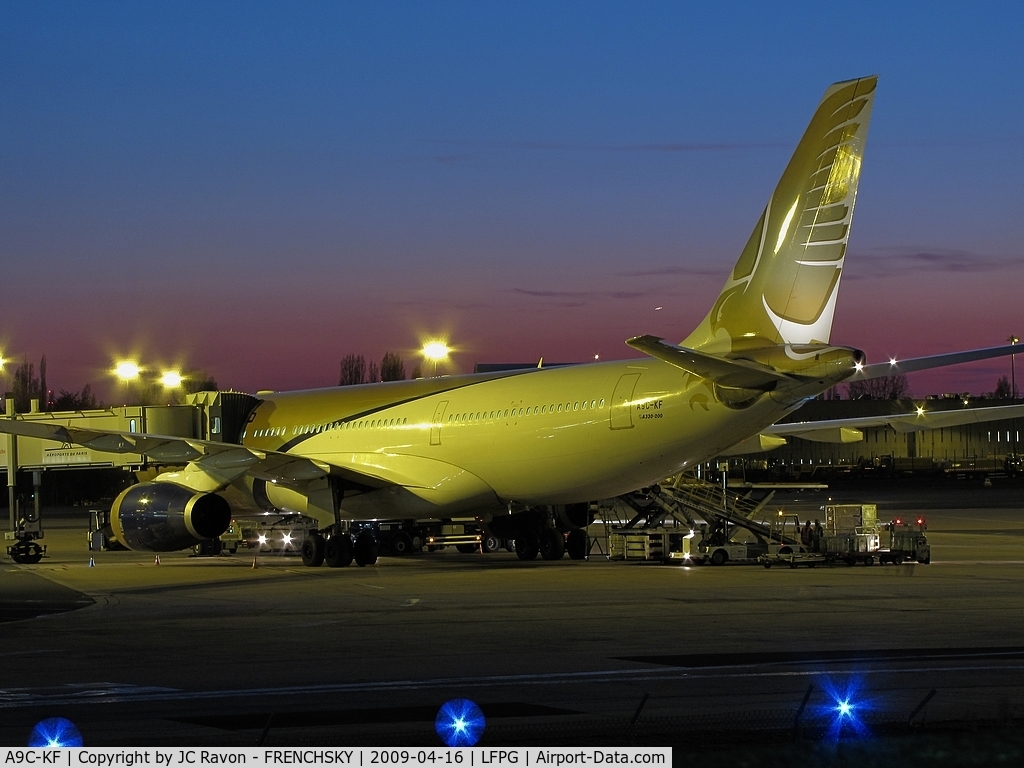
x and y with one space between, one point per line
920 521
898 521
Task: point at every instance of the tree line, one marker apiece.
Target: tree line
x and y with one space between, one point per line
27 385
355 370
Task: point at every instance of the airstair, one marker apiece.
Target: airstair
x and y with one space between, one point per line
658 523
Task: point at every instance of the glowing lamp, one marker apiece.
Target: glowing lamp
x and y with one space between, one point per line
126 370
171 379
436 351
460 723
55 732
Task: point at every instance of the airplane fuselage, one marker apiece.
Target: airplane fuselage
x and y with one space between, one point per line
540 436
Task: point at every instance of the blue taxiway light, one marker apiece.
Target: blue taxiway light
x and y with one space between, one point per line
460 723
55 732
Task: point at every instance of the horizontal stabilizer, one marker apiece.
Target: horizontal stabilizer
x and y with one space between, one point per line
741 374
893 367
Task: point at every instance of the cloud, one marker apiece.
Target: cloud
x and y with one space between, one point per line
897 262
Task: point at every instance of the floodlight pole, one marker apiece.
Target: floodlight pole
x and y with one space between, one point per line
1013 374
1013 388
12 464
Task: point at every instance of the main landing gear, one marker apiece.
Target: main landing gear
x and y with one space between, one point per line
339 549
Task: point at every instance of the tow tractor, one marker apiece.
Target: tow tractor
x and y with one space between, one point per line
906 542
27 532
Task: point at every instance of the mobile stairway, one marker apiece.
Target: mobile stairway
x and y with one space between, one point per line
690 519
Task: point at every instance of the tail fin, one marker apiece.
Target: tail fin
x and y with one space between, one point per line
783 288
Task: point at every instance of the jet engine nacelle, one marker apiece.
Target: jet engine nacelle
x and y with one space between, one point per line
162 517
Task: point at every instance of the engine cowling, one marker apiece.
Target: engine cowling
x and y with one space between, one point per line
163 517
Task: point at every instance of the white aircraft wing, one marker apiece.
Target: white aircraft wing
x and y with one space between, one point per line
914 421
218 464
893 367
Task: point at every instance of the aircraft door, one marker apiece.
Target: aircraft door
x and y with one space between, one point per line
435 423
622 410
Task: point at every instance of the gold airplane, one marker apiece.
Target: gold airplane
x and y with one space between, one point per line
508 448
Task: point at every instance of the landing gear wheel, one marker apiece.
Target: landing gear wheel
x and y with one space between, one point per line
552 544
466 549
26 553
312 550
510 545
490 544
338 551
719 556
365 549
401 544
527 545
577 544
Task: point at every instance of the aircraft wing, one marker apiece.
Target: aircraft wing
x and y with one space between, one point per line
893 367
848 430
211 465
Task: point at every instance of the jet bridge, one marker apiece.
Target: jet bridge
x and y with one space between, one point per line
217 416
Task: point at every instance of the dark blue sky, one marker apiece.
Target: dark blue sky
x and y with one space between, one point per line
260 188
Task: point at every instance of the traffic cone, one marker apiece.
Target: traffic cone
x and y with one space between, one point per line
157 561
254 563
92 563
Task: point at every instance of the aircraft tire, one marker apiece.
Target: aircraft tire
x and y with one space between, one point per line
527 545
577 543
338 551
26 553
490 544
401 544
312 550
365 549
552 544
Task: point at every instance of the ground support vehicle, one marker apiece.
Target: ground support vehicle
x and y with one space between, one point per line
851 534
794 558
783 546
406 537
652 543
687 520
906 541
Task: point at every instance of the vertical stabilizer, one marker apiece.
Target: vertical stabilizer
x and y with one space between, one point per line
783 288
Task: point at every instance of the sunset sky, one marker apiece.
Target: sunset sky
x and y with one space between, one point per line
258 189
